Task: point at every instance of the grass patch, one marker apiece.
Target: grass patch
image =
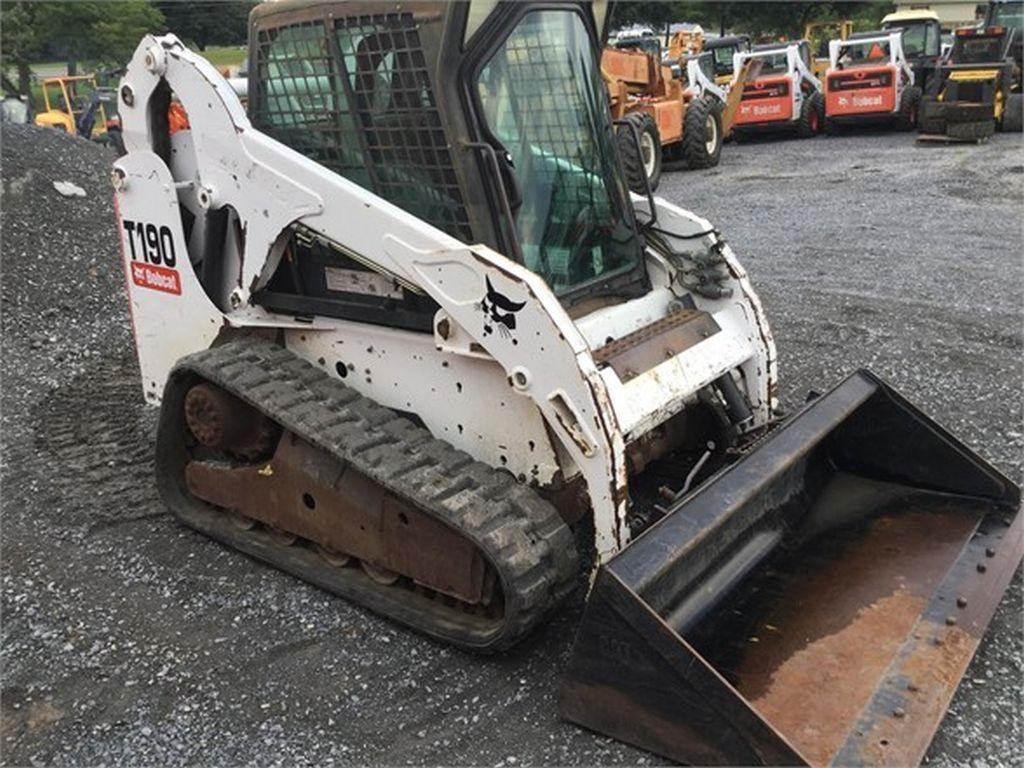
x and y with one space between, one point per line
224 55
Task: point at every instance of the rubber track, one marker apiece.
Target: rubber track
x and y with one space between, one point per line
521 534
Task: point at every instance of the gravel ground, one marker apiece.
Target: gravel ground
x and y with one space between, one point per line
127 638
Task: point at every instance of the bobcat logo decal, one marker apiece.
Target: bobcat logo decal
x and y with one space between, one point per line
499 311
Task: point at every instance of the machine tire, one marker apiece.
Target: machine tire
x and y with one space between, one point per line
910 103
812 117
931 116
116 140
703 117
632 161
1013 113
971 131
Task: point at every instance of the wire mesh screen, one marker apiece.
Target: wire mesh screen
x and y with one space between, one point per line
356 97
544 93
543 99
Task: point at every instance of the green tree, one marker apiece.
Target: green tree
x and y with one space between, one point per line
21 40
760 19
101 32
219 22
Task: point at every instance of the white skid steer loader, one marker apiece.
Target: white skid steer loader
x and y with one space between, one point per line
408 332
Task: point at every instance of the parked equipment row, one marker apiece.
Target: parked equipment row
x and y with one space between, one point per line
684 104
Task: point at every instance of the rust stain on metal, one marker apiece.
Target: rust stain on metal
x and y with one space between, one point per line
646 347
838 625
936 670
310 494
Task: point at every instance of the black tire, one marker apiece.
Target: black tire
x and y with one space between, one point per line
703 117
931 116
812 116
971 131
116 140
631 155
1012 113
910 103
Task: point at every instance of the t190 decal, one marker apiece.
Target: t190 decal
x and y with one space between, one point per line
153 256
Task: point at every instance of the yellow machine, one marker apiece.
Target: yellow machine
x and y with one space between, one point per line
818 33
75 104
976 88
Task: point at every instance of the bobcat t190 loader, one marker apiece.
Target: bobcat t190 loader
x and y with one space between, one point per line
406 329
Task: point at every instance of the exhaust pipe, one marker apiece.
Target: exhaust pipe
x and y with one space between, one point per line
815 603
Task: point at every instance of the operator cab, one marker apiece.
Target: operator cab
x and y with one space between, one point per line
492 125
865 49
776 62
722 50
1008 14
983 45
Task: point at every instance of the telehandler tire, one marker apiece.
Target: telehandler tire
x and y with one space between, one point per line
702 133
1013 113
644 160
812 116
910 103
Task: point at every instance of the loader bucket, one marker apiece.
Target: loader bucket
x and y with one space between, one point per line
815 603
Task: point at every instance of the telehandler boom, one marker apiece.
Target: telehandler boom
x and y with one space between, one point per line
413 340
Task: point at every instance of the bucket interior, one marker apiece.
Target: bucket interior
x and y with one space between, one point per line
809 633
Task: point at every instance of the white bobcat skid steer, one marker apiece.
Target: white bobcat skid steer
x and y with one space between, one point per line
406 330
784 95
869 80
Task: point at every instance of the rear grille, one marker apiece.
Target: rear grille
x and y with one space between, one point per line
857 81
355 96
753 91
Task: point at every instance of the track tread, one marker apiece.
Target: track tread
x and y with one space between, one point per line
522 534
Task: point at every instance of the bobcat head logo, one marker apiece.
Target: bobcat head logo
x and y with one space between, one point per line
499 311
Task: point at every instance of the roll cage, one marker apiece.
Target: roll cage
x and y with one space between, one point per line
893 42
393 102
797 58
